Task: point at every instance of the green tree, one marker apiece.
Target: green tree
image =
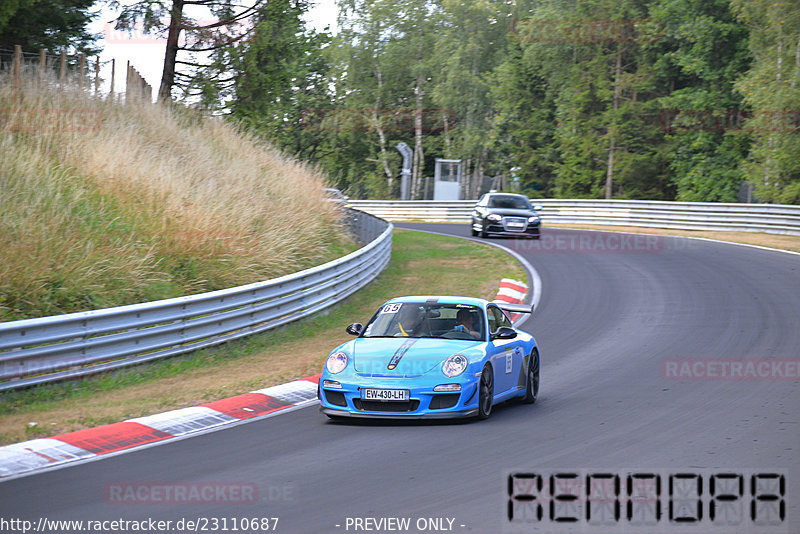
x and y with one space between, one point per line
772 90
525 123
702 53
470 46
280 85
234 24
383 66
48 24
591 62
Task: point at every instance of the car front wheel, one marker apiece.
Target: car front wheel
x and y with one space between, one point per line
486 393
532 388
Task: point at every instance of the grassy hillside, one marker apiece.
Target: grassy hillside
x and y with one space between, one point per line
103 204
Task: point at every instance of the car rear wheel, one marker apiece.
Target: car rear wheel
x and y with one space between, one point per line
486 393
532 388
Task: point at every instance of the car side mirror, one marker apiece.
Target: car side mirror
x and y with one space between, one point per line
504 332
354 329
538 207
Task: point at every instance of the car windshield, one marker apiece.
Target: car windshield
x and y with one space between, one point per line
509 202
428 320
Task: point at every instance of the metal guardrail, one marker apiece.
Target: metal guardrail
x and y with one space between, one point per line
34 351
769 218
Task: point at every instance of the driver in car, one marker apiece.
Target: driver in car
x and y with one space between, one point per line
464 323
410 321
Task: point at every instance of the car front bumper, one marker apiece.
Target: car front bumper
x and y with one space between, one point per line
439 414
423 401
532 230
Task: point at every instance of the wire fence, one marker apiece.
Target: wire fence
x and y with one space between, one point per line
25 68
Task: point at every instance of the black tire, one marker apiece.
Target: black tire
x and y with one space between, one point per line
483 230
532 380
485 393
474 232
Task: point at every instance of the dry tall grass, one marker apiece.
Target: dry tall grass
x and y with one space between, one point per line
104 204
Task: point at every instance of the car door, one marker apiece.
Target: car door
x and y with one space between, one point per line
506 354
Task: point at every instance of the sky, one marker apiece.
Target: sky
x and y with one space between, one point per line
146 53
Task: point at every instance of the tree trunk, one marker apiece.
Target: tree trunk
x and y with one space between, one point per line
418 152
381 135
445 122
466 186
480 170
610 169
168 75
612 127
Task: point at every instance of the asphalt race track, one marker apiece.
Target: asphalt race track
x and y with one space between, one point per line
619 318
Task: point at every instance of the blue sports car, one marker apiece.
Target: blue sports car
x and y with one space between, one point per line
430 356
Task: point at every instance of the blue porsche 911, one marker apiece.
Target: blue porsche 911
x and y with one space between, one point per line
431 357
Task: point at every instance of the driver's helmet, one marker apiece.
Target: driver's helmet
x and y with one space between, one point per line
409 314
463 315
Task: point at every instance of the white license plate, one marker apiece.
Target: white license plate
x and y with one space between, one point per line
516 225
385 394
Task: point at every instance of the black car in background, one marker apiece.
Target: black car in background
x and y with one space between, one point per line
505 214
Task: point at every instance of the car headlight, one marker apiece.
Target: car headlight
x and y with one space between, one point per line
455 365
533 219
336 362
493 217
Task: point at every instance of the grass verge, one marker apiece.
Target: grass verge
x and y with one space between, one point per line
776 241
421 264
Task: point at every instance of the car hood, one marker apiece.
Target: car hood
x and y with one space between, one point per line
404 356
